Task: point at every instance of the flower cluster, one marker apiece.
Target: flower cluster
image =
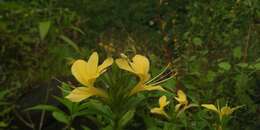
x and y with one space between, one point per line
86 72
183 104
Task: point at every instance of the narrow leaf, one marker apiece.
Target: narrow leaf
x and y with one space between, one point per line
224 65
61 117
126 118
257 66
70 42
78 30
44 28
69 105
237 53
43 107
197 41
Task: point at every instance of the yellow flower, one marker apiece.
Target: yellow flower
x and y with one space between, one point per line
183 102
140 66
87 73
224 111
182 99
160 110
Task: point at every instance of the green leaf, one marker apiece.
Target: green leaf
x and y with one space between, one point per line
197 41
193 20
78 30
69 105
109 127
3 124
237 52
126 118
252 66
44 28
44 107
3 93
224 66
98 108
85 109
85 128
257 66
242 65
83 113
169 84
84 105
70 42
150 122
4 103
65 88
211 76
6 111
61 117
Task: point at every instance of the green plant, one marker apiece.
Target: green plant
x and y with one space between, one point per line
6 107
213 46
119 102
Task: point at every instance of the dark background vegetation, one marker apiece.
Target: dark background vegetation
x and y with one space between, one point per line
214 45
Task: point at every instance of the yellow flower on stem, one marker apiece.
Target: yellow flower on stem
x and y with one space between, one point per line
87 73
140 66
224 111
182 99
160 110
183 102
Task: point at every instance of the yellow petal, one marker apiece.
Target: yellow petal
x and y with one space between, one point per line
80 72
156 110
226 111
141 87
93 64
81 93
163 101
159 111
123 56
181 97
122 63
104 65
211 107
151 88
141 64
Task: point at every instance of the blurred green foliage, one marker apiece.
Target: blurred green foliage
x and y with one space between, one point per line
214 45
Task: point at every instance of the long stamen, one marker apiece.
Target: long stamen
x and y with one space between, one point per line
163 77
158 74
160 81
